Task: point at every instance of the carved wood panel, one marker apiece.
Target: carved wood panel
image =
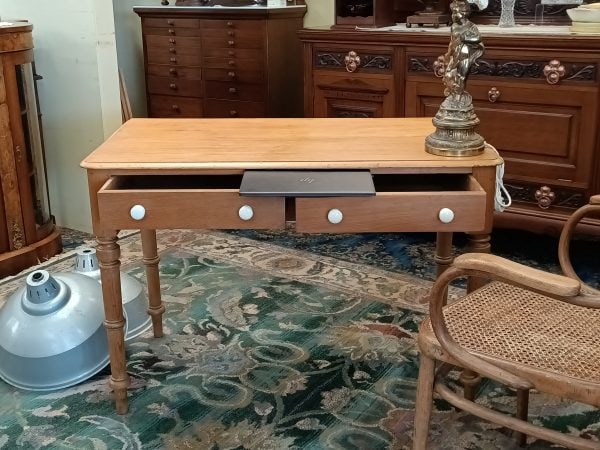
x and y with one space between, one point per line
368 61
545 196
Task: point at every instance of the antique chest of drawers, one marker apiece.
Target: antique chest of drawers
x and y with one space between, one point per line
538 98
222 61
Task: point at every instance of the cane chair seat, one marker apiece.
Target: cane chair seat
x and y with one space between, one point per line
516 325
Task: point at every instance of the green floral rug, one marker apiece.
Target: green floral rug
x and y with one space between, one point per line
272 342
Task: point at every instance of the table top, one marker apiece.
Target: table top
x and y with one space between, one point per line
238 144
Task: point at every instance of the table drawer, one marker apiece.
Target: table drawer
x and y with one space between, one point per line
173 86
228 108
235 91
211 202
170 106
403 202
171 22
183 73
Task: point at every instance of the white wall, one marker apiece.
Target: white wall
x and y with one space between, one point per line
75 52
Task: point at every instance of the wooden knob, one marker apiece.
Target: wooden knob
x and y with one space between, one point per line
231 43
231 33
173 71
175 108
172 50
230 24
231 62
233 113
231 74
172 40
170 22
232 90
231 53
171 31
173 86
173 60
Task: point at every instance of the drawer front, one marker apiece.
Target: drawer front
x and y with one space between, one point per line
545 196
241 76
178 73
409 210
235 91
233 63
190 56
544 133
167 106
219 209
232 24
174 86
354 60
550 70
251 34
232 43
171 22
228 108
173 41
242 53
170 31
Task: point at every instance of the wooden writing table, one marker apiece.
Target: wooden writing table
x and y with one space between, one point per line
179 173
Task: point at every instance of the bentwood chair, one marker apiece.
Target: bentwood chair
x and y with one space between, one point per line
527 328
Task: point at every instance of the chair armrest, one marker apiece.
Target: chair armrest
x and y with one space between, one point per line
540 281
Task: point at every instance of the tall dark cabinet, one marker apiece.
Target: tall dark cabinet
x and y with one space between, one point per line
208 61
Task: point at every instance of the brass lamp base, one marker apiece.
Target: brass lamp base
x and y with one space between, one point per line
455 134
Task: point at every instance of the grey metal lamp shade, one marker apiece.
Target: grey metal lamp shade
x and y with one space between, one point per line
51 332
135 303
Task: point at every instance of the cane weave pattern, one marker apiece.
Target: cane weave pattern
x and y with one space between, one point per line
518 325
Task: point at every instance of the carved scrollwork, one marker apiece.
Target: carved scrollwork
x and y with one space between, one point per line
338 60
554 71
352 61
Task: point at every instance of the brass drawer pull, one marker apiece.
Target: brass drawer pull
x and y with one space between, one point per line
230 24
170 22
171 31
175 108
231 53
545 197
172 50
231 43
173 86
231 33
233 113
232 90
173 71
554 71
494 94
173 60
231 62
439 67
171 40
231 74
352 61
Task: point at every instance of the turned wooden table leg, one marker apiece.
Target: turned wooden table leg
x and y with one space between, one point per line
522 413
151 259
479 243
443 252
108 253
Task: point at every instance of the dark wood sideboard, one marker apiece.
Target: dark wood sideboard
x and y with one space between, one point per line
222 61
537 96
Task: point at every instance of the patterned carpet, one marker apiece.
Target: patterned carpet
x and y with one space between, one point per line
282 341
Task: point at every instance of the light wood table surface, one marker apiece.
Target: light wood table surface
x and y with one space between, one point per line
185 173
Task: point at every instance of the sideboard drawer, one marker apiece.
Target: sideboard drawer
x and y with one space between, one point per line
174 86
171 22
188 56
233 109
354 59
183 73
233 63
169 106
240 75
151 202
235 91
170 31
416 203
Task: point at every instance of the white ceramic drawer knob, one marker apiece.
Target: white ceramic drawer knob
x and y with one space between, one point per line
246 212
335 216
446 215
137 212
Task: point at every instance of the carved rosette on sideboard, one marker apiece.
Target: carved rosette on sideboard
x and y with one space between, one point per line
456 121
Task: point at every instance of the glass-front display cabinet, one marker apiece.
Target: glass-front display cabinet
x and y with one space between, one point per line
27 231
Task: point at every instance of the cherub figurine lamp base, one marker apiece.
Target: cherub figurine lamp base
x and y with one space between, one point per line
456 121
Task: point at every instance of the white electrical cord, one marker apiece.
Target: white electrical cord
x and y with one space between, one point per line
502 198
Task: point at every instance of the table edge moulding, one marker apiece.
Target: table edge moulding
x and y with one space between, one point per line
185 173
